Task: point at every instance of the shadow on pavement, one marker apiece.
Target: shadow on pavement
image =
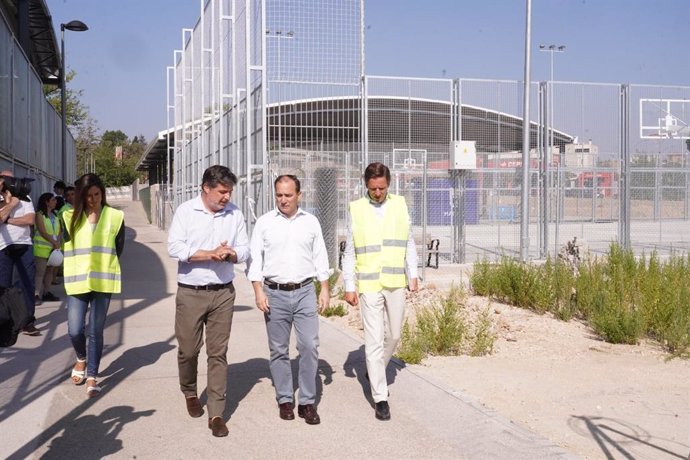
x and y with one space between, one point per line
144 282
616 437
94 436
355 367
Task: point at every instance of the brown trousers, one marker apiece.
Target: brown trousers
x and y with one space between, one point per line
194 310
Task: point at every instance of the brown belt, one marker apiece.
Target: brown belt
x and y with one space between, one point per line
207 287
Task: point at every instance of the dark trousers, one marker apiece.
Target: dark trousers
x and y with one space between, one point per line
20 256
212 310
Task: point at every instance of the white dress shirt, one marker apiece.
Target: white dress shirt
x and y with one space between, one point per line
193 228
17 234
288 250
349 261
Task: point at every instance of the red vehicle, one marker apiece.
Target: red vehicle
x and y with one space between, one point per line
583 184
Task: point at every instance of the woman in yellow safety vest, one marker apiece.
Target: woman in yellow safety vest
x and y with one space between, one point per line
94 239
47 237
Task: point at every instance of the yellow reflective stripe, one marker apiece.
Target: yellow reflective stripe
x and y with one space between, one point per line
77 252
368 276
75 278
393 270
368 249
42 242
103 250
105 276
395 243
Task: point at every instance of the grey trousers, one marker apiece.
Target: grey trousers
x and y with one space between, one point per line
288 308
194 310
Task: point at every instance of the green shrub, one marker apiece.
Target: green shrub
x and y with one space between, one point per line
335 310
412 350
332 282
481 278
483 338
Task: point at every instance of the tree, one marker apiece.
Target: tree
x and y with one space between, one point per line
114 171
76 113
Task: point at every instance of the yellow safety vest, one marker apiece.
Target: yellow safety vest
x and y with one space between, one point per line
380 244
43 247
91 263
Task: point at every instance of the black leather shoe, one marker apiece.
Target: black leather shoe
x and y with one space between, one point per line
194 406
218 427
309 414
287 411
383 412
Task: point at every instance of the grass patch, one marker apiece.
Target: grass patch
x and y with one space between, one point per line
335 310
442 329
623 298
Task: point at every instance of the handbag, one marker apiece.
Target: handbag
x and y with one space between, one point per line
13 315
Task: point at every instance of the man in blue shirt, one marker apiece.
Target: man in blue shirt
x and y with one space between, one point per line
207 237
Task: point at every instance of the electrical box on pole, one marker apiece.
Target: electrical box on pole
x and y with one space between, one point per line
463 155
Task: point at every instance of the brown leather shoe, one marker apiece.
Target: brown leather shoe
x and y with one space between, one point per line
287 411
309 414
218 427
194 406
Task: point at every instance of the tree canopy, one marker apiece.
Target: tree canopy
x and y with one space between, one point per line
97 152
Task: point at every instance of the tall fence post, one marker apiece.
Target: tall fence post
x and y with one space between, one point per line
624 226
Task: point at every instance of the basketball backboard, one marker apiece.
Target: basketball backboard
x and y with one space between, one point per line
664 118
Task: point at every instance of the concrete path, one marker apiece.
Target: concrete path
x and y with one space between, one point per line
141 412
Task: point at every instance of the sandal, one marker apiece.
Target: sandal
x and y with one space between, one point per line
79 376
92 389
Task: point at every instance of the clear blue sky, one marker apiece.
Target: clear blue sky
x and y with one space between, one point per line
120 62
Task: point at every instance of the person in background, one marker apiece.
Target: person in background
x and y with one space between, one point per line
69 204
94 240
380 260
47 237
15 250
288 251
59 190
207 237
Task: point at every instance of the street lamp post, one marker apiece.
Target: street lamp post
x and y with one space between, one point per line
75 26
548 157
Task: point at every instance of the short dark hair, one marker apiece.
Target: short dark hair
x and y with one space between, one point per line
284 177
375 170
59 184
218 174
69 188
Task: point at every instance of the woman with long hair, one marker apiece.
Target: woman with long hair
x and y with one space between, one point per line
94 239
47 238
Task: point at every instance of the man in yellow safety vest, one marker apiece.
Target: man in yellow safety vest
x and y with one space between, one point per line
379 262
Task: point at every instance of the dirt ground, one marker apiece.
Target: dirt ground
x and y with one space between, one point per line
558 379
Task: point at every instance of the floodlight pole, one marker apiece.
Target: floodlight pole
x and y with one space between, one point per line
549 154
524 207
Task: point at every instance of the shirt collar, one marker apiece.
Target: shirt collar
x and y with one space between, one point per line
376 203
200 206
280 214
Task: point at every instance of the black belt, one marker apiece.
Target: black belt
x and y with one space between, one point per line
207 287
287 286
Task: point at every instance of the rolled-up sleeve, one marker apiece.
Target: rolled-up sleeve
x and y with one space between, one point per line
177 239
320 255
349 260
241 244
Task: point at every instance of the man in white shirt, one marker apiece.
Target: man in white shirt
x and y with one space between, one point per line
207 237
288 251
16 218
